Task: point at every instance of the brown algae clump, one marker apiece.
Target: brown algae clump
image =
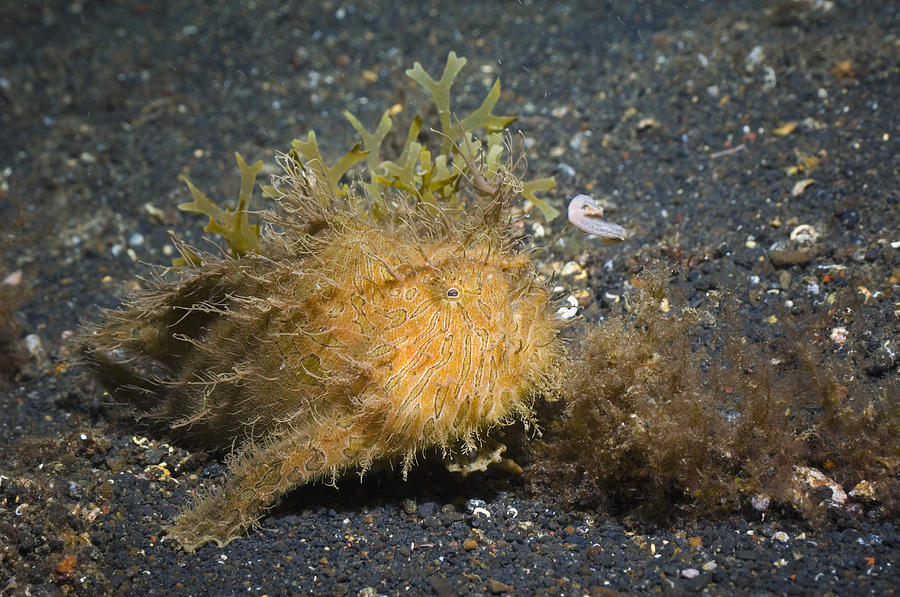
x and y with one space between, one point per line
353 326
674 411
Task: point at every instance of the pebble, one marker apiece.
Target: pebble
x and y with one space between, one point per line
784 279
33 344
426 509
789 257
498 587
565 171
755 57
409 506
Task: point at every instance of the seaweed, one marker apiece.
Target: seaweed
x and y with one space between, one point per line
430 177
231 224
672 411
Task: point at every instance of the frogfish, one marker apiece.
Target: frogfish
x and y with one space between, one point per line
350 335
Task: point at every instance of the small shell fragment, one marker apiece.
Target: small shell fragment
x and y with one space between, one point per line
800 186
570 310
761 501
808 479
571 268
804 233
786 129
839 335
864 490
12 279
647 123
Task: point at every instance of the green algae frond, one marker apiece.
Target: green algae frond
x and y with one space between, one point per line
428 176
231 224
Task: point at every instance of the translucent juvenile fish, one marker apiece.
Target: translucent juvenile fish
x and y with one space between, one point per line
585 214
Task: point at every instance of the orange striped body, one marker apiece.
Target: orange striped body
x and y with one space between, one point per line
348 346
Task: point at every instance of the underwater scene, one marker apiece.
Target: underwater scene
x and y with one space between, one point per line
577 298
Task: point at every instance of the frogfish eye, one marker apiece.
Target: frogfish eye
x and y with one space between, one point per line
452 292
